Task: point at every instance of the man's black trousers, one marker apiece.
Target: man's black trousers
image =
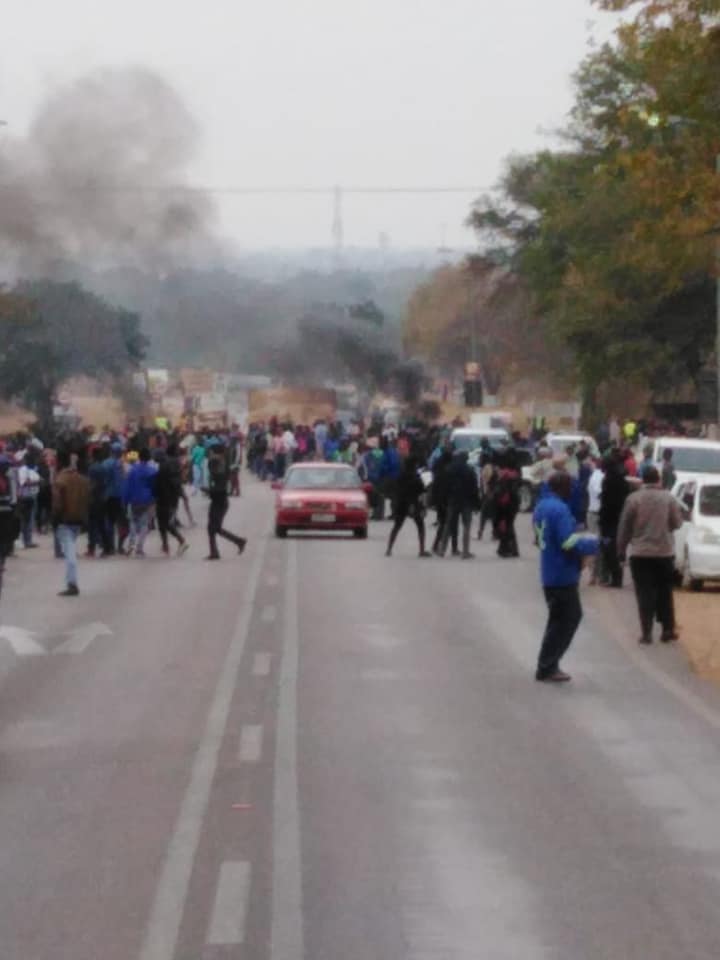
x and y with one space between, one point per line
653 579
564 616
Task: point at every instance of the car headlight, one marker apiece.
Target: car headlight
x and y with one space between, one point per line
291 505
355 506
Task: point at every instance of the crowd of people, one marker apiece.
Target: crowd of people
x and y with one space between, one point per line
117 487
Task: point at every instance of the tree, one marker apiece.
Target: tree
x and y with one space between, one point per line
477 308
616 234
51 331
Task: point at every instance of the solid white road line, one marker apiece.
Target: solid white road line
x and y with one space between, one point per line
269 613
261 664
251 738
164 924
287 924
227 924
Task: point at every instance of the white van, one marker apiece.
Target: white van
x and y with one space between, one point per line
690 456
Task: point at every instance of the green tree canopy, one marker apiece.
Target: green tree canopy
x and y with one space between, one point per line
616 234
51 331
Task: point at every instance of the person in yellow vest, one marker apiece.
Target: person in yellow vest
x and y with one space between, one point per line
629 432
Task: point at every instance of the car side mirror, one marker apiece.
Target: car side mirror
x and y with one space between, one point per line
276 485
368 488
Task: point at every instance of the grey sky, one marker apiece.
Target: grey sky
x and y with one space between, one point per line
318 92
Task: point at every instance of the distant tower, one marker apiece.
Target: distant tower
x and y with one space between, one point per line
337 224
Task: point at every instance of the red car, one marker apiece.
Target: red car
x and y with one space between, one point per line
321 496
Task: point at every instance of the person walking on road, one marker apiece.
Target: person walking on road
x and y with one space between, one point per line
441 492
168 491
71 507
507 504
28 482
615 490
668 476
561 553
115 521
9 521
408 503
139 499
648 520
218 490
462 500
98 539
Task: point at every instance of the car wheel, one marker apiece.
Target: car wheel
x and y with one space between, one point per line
696 585
360 533
280 532
526 498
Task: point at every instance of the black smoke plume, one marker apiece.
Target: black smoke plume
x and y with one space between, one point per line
100 179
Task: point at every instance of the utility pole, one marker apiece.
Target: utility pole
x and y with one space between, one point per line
717 316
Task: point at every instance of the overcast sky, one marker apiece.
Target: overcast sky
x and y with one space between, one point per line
319 92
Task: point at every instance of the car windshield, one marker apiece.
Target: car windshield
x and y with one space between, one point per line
322 478
560 444
473 441
710 501
696 459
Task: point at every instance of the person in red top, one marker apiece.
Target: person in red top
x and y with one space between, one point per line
630 463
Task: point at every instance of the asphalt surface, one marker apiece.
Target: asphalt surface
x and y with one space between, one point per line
314 751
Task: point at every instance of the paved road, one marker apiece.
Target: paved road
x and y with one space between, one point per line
313 751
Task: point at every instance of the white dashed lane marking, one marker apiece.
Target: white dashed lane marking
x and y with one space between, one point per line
227 924
261 664
251 738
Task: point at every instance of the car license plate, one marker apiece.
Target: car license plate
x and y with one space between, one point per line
323 518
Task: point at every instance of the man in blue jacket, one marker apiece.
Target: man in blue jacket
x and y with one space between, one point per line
139 497
561 549
114 496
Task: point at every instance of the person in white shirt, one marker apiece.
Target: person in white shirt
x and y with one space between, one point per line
28 480
595 485
290 444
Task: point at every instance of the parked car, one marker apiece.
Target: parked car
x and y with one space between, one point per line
321 496
690 456
697 542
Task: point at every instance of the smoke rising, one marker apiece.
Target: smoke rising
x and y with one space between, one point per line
100 179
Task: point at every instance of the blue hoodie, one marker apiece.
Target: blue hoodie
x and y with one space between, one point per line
115 477
139 485
561 548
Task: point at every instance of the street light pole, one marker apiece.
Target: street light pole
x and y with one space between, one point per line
717 316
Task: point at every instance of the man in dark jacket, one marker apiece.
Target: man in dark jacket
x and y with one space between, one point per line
408 503
462 500
561 552
115 518
98 539
441 494
615 492
218 490
168 491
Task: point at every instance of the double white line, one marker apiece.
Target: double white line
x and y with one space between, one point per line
227 923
